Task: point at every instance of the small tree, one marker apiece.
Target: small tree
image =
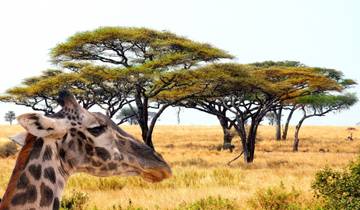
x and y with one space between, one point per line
319 105
10 116
128 114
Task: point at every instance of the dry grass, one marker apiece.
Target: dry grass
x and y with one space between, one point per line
200 170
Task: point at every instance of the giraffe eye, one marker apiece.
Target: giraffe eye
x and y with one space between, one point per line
98 130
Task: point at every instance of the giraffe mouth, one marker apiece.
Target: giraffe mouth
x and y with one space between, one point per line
156 175
149 164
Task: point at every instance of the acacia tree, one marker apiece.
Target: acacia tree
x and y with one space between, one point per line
249 92
279 110
290 106
10 116
318 105
332 74
92 85
127 114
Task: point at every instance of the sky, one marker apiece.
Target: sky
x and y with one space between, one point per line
322 33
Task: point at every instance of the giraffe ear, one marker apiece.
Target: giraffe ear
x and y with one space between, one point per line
19 138
39 125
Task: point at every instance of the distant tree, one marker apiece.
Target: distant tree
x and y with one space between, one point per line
318 105
10 116
178 111
128 114
270 116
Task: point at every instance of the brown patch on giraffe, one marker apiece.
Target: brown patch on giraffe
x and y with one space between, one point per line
47 153
46 194
56 204
96 163
35 171
23 181
28 196
102 153
36 149
49 173
20 165
112 166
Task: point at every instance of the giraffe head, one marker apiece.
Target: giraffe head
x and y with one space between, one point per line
92 143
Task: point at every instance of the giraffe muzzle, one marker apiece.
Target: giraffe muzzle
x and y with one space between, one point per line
151 164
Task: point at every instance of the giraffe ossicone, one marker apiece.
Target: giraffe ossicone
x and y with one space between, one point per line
70 141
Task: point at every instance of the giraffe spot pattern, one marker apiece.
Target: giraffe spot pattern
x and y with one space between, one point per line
37 147
23 181
56 204
47 153
29 196
47 195
102 153
62 154
35 171
49 173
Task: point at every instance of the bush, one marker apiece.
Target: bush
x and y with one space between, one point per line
339 189
276 198
8 149
76 201
210 203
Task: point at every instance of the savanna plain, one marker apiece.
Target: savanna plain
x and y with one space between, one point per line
201 173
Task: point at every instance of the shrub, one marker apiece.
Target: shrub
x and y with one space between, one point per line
76 201
209 203
276 198
339 189
8 149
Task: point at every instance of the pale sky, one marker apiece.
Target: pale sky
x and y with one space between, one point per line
317 33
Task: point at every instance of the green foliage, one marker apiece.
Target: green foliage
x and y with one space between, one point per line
276 198
328 101
76 201
278 63
8 149
249 82
339 189
210 203
105 43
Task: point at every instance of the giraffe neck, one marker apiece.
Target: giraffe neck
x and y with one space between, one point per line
38 178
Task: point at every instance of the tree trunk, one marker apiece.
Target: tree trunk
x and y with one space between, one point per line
142 115
278 123
178 115
296 136
248 141
227 136
149 133
251 140
286 127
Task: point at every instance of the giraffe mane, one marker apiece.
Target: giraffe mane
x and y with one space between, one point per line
21 162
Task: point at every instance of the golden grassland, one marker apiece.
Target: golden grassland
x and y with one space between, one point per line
201 171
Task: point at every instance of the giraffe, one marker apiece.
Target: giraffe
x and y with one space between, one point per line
70 141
